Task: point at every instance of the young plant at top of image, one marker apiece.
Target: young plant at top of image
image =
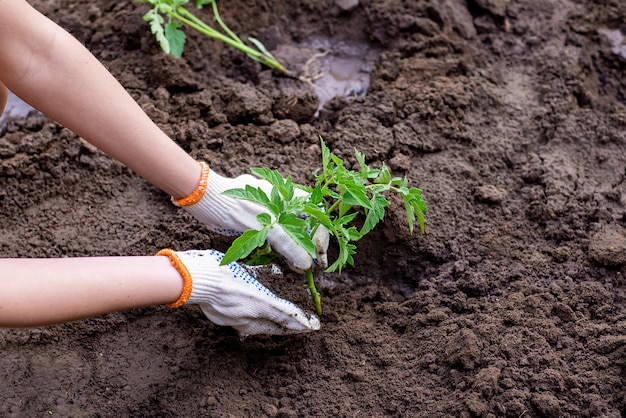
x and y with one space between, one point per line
335 201
168 16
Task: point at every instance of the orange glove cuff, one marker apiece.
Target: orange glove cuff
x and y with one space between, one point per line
197 194
184 273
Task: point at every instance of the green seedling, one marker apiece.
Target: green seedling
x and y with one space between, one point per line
167 18
335 202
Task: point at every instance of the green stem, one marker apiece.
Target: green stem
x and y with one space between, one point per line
314 293
333 206
186 17
218 19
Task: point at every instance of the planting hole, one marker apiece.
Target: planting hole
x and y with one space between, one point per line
343 69
617 39
336 68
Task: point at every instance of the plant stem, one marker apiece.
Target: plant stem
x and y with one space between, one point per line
225 28
314 293
185 16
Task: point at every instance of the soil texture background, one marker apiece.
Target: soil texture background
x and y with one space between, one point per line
509 115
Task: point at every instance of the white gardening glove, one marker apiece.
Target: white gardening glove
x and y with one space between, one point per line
228 216
228 295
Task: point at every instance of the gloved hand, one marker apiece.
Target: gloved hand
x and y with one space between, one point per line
228 295
228 216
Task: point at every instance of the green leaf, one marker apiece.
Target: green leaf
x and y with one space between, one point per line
176 38
264 219
253 194
288 189
375 214
336 160
295 205
355 196
296 228
410 214
346 251
156 27
272 176
244 245
415 206
201 3
276 201
360 157
344 220
325 155
352 233
316 195
318 214
396 181
384 177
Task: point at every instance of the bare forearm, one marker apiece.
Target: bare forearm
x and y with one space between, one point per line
36 292
53 72
4 95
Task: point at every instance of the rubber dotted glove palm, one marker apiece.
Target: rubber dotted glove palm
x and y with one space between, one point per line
228 216
228 295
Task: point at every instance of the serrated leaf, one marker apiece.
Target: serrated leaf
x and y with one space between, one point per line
318 214
415 206
346 252
347 177
264 219
296 228
253 194
316 195
422 221
276 201
396 181
288 189
176 38
352 233
156 21
336 160
325 155
244 245
419 206
384 177
360 158
375 214
272 176
344 220
410 214
355 196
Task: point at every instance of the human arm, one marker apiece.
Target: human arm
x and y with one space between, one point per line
53 72
45 291
4 95
35 292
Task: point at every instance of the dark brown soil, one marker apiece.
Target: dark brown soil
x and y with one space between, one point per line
511 117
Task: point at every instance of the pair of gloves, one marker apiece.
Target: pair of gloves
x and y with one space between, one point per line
229 295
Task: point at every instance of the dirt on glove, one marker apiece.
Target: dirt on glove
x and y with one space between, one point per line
510 116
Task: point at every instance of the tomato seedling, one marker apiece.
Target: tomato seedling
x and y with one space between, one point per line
168 16
335 201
